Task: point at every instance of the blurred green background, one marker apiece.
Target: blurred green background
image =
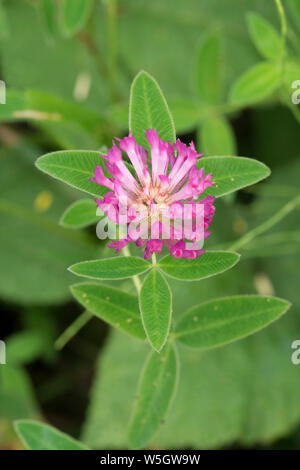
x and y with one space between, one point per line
68 71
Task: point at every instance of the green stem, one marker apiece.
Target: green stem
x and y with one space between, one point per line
283 30
88 42
282 18
212 111
284 211
136 279
73 329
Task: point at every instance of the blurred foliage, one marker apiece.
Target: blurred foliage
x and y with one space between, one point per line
67 76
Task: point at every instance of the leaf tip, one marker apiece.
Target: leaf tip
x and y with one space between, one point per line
237 257
137 76
61 221
17 425
267 169
71 268
287 303
37 163
156 347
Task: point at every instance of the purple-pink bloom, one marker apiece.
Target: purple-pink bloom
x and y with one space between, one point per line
165 192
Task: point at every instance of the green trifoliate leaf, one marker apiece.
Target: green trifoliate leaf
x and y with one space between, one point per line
80 214
115 307
257 84
74 15
155 393
156 308
148 109
74 167
222 321
207 265
208 70
232 173
264 36
217 137
39 436
117 267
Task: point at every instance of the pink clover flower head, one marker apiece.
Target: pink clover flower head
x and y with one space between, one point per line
155 195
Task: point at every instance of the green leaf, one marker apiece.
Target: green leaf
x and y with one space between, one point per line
217 137
117 267
48 15
74 167
208 70
156 391
186 114
33 265
224 382
15 102
25 346
222 321
16 394
156 308
232 173
80 214
59 65
148 109
257 84
40 436
47 107
235 375
291 74
69 57
264 36
74 15
68 135
115 307
207 265
51 112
